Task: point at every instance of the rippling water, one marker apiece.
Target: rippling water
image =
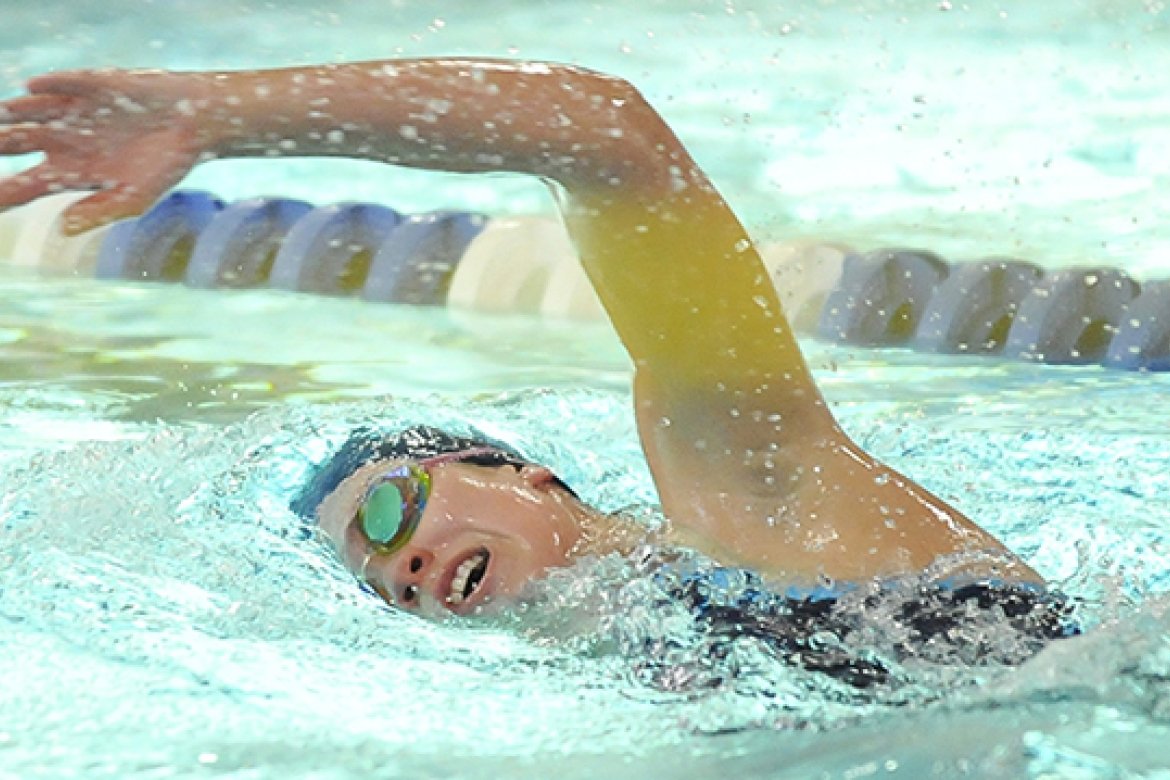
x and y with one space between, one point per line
165 614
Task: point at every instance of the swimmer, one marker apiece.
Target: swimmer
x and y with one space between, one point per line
750 466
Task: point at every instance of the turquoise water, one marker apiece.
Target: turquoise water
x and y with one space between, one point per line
163 615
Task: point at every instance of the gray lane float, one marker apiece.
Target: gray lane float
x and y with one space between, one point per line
881 297
1142 341
1070 316
417 262
972 310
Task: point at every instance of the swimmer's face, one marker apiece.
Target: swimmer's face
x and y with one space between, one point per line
485 532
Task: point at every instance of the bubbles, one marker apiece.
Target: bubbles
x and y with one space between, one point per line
176 557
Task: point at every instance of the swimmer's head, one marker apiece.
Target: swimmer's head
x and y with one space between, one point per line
439 523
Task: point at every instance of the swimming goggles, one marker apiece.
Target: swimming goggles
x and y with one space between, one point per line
393 505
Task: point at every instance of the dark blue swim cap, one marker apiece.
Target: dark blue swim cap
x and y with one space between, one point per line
366 445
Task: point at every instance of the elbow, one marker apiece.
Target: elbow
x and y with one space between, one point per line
616 140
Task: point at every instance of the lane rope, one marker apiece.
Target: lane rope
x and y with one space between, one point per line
888 297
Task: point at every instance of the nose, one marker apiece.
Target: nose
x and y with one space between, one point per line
535 476
402 575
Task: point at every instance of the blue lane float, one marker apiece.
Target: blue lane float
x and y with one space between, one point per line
890 297
239 245
330 249
157 245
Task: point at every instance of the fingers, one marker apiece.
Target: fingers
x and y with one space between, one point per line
27 186
130 196
52 95
78 83
117 202
35 109
21 140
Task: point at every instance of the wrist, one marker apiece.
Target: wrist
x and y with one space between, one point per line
273 113
223 118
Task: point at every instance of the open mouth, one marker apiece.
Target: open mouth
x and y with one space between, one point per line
468 577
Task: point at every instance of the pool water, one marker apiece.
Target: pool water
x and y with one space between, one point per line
164 615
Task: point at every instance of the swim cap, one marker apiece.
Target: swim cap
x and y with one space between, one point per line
366 445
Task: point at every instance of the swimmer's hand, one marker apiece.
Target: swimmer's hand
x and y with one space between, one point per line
128 135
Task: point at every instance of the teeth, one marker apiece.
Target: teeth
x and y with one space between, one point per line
459 583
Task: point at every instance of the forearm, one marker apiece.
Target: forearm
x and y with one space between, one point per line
576 127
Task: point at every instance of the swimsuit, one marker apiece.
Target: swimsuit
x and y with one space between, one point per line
823 629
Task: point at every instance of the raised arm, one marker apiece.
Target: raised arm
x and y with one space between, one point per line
660 244
748 461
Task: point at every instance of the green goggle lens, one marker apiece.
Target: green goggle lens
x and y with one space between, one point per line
382 518
393 507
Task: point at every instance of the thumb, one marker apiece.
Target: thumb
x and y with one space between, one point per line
153 170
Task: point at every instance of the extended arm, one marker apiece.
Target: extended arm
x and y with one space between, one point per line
671 262
748 461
